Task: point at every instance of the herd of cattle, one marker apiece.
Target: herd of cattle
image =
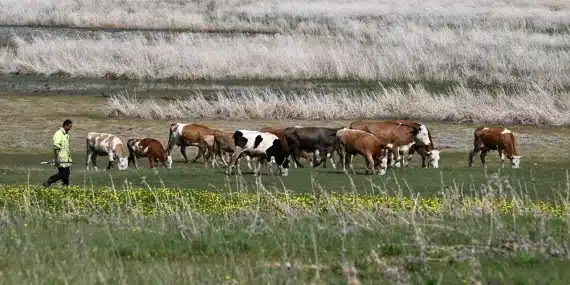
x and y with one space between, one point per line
383 144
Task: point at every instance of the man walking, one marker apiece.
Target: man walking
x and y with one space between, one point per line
62 156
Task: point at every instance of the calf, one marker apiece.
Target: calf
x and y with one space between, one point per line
224 143
210 152
285 145
265 146
318 140
404 136
104 144
360 142
150 148
184 135
497 138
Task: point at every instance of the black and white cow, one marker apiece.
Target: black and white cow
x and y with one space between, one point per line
318 140
265 146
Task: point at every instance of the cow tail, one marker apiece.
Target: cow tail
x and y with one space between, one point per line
87 152
170 144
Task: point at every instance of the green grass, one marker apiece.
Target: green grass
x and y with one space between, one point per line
185 246
181 245
537 181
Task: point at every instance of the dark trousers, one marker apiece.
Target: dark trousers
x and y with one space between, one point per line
62 173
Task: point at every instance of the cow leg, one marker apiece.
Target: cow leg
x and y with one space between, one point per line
473 152
202 148
233 161
390 159
183 151
410 155
350 157
248 159
295 156
369 164
482 156
87 159
316 157
151 161
260 162
342 154
221 155
135 161
93 160
502 157
331 158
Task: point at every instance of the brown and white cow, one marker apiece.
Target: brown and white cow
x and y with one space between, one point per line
104 144
150 148
353 142
285 146
184 135
407 136
495 138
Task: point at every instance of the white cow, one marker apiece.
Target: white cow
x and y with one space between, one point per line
265 146
103 144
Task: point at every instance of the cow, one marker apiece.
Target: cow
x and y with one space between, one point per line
103 144
429 151
495 138
265 146
210 152
407 136
285 146
150 148
355 142
319 140
224 143
184 135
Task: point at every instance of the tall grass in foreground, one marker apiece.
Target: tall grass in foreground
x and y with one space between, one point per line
300 16
410 53
274 236
532 106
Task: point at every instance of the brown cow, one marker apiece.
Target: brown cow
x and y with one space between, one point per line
224 143
184 135
360 142
402 135
285 146
148 147
495 138
210 151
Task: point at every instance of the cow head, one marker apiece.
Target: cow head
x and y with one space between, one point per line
381 165
122 162
169 162
433 158
516 161
421 135
275 154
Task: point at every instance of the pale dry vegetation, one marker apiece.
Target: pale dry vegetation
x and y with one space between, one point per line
288 16
412 53
532 106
